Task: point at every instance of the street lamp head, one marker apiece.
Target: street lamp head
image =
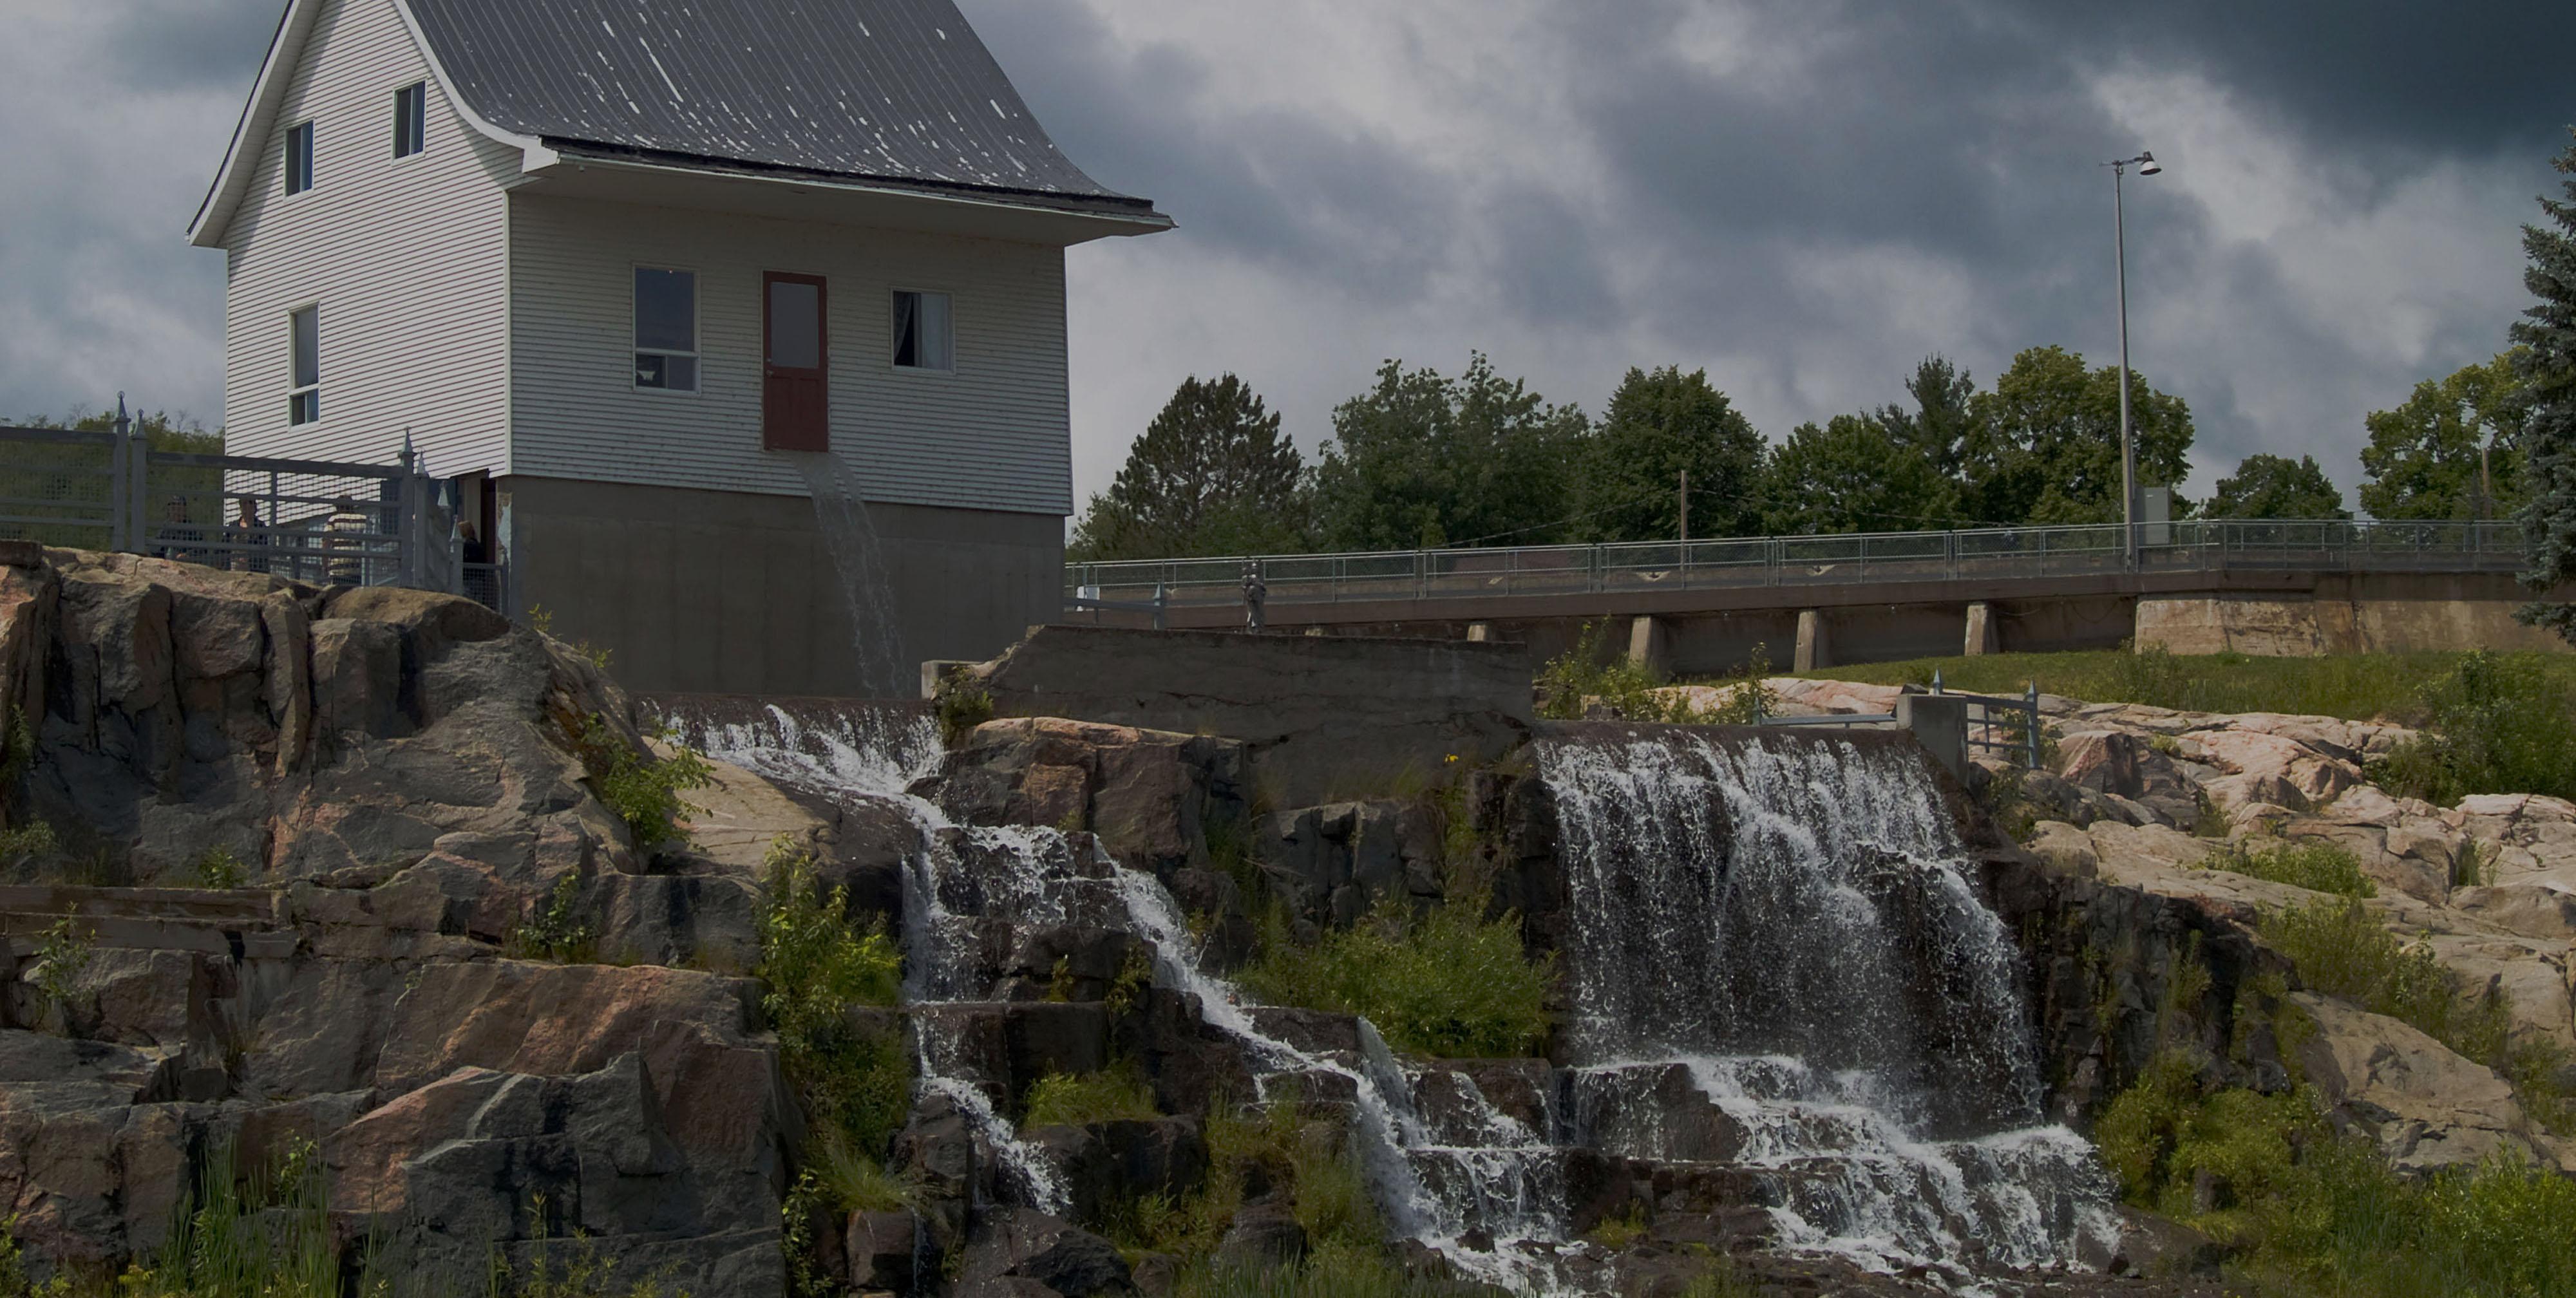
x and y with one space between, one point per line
2147 164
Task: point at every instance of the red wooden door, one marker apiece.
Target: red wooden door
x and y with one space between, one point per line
795 398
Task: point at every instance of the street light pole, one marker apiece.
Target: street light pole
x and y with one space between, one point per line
2146 165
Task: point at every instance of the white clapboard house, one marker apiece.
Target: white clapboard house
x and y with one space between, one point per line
614 265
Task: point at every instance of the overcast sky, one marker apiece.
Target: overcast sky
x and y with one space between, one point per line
1804 198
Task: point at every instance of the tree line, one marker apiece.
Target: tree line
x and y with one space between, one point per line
1424 459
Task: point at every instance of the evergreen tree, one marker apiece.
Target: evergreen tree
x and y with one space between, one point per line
1660 424
1850 476
1210 475
1937 427
2453 450
1426 461
2547 367
2044 445
2275 486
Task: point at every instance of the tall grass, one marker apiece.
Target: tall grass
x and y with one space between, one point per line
2317 867
1594 671
2318 1214
2359 687
1116 1093
2495 723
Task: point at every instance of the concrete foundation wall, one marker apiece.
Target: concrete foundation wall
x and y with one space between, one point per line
734 593
2389 614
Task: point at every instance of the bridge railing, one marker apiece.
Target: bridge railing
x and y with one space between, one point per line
2002 552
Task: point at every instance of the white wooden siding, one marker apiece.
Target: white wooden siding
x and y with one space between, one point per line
993 434
406 258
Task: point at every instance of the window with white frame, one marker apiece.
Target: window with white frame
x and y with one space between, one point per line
666 329
299 157
411 119
924 337
304 342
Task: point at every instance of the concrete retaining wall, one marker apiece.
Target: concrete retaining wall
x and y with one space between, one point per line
1321 716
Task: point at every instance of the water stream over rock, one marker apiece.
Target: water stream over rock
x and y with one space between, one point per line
1778 969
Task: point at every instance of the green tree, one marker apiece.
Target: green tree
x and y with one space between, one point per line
1421 460
2453 450
2276 486
2044 445
2546 364
1210 475
1660 424
1851 476
1944 410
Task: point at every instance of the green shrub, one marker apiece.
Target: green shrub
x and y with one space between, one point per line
1442 983
961 703
26 842
2496 723
2316 1213
854 1182
1593 671
556 929
1616 1233
221 868
1113 1094
62 952
2317 867
643 792
813 967
14 1280
1328 1195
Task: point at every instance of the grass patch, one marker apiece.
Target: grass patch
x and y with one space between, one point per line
1444 982
1114 1094
2317 867
2359 687
2340 949
2318 1215
2494 723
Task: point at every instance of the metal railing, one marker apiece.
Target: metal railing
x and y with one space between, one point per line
315 521
2003 552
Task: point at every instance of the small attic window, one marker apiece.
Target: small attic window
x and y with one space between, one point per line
411 119
924 336
299 157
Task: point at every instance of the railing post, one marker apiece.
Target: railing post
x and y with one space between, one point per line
2030 728
138 485
118 516
1162 606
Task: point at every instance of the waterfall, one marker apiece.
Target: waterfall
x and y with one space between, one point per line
851 538
1777 965
1790 932
1490 1198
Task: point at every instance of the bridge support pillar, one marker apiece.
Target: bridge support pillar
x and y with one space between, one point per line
1814 650
1479 632
1981 631
1649 645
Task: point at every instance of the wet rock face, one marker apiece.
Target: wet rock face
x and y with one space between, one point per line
1150 795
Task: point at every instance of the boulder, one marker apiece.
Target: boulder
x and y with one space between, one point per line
2427 1108
1149 795
1020 1251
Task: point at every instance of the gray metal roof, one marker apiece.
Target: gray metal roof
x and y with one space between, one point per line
890 90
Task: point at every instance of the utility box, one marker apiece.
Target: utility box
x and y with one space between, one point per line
2155 516
1940 723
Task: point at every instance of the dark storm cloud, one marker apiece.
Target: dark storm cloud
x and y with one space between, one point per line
1805 198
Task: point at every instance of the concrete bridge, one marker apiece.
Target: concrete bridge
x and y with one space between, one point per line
2261 587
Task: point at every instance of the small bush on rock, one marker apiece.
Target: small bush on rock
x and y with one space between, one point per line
2496 723
1116 1093
1442 983
961 703
2317 867
221 868
643 792
556 929
813 967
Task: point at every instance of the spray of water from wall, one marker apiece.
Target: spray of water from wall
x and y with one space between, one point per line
841 515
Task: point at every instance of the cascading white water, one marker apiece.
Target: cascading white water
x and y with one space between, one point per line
1499 1184
851 538
1795 929
1777 963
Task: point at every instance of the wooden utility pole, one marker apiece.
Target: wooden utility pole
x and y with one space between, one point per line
1685 506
